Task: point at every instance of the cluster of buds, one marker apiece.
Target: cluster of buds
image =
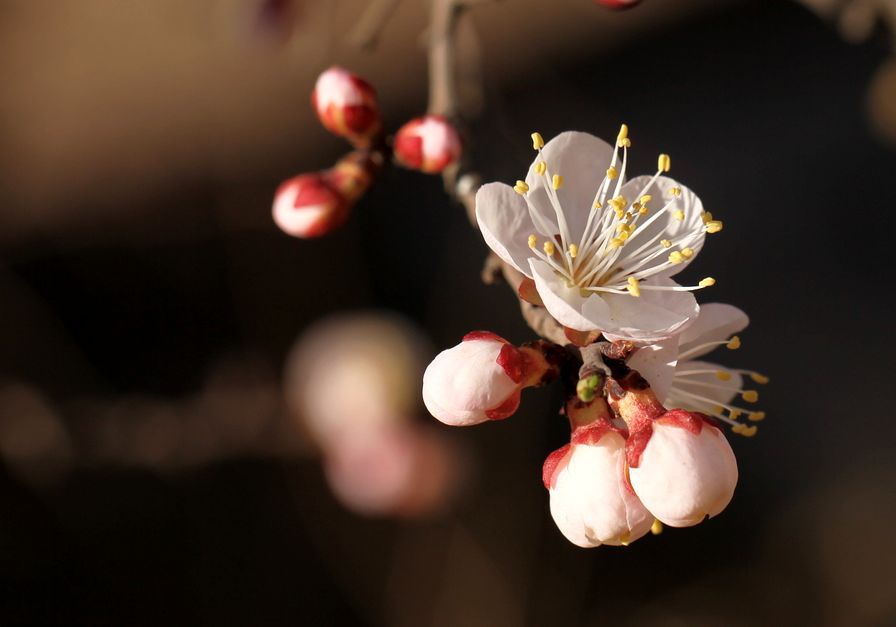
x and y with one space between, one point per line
315 204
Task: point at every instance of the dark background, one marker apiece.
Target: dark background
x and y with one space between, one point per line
763 109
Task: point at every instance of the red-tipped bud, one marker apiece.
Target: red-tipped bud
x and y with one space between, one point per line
308 205
429 144
353 174
346 105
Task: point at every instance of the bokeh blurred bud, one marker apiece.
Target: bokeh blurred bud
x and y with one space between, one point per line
429 144
346 105
591 501
354 372
479 379
353 174
685 471
309 206
617 4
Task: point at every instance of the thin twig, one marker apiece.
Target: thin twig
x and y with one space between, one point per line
367 31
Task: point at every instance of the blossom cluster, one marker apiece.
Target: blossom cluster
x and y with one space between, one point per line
597 253
315 204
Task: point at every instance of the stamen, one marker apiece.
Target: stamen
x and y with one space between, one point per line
713 226
707 282
675 191
646 198
656 528
751 396
744 430
678 214
537 141
612 173
665 243
734 343
533 242
573 250
540 168
633 288
676 257
759 378
521 187
549 249
706 216
663 163
756 416
557 181
687 253
723 375
622 136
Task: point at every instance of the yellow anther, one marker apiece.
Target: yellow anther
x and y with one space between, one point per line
707 282
759 378
626 143
521 187
622 226
723 375
540 167
675 191
665 243
756 416
619 213
713 226
628 215
537 141
748 432
616 242
663 163
678 214
718 409
533 241
549 248
633 288
734 414
624 235
734 343
751 396
706 216
646 198
675 257
617 203
687 253
656 528
557 181
612 173
643 210
573 250
597 204
623 135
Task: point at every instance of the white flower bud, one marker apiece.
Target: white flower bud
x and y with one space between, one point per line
429 144
686 470
479 379
591 502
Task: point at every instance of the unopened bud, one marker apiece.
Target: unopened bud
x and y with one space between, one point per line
347 106
309 206
429 144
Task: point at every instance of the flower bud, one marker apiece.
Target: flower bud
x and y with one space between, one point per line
347 106
617 4
682 468
429 144
309 206
591 500
353 174
479 379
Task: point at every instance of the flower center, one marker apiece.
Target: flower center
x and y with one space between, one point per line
616 250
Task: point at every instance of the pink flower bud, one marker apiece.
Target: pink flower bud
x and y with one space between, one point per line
591 500
479 379
617 4
346 105
309 206
429 144
682 468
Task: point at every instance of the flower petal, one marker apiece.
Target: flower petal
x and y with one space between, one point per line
566 304
656 363
716 323
706 384
582 160
665 226
505 224
655 315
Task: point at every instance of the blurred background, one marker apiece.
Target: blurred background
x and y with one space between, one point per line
155 467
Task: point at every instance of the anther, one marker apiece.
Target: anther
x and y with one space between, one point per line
616 242
665 243
656 528
675 191
723 375
678 214
646 198
557 181
756 416
713 226
537 141
597 204
612 173
707 282
734 343
622 136
751 396
573 250
759 378
549 248
706 216
687 253
643 210
540 167
663 163
633 288
533 241
675 257
521 187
